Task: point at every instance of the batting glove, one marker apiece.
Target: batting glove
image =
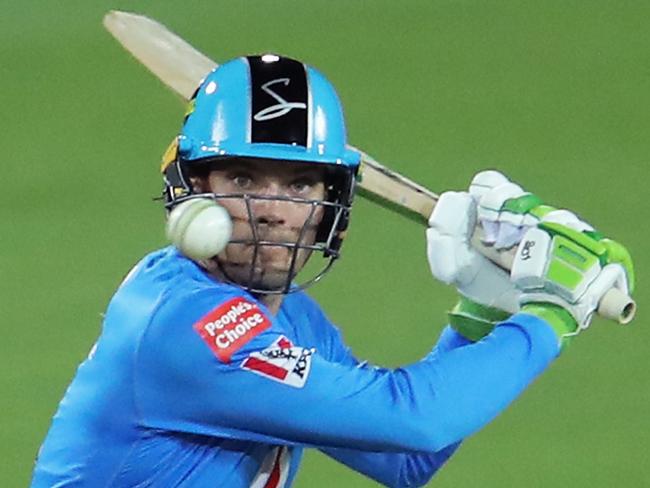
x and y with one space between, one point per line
563 268
503 209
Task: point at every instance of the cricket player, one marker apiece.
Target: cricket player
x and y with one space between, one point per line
219 373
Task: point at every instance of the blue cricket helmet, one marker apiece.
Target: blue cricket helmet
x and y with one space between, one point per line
267 107
271 108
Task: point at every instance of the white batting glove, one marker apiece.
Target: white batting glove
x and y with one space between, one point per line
454 261
487 293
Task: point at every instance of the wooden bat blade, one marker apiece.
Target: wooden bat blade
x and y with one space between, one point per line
175 62
394 191
182 68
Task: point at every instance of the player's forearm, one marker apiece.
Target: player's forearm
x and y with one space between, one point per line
394 469
474 383
449 340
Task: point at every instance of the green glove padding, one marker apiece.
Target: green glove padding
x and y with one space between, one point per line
560 320
474 321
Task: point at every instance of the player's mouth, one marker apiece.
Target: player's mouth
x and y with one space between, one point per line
264 257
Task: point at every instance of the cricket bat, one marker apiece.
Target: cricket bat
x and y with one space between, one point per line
182 68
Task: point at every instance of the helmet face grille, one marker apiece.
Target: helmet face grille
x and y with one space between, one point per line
327 244
279 100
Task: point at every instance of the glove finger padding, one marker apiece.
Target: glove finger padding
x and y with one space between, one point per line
485 181
568 219
451 258
506 212
500 211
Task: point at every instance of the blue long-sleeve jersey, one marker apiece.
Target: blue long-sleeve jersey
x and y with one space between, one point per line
195 383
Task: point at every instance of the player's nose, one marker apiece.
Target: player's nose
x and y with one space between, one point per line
268 218
271 209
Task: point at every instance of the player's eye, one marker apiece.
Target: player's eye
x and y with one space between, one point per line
242 181
302 185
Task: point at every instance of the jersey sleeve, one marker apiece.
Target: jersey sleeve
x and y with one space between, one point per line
267 389
395 468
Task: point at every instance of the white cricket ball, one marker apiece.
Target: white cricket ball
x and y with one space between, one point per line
199 228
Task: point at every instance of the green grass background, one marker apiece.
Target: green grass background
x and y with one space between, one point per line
554 93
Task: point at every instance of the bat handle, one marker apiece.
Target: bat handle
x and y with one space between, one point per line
614 305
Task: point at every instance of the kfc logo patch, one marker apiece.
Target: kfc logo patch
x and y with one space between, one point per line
281 361
227 328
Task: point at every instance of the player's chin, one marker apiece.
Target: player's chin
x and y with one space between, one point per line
267 277
265 267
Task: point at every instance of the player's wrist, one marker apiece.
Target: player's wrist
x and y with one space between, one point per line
473 320
558 318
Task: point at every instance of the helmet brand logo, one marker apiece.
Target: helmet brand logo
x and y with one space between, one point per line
282 107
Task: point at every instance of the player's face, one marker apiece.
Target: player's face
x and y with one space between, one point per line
275 221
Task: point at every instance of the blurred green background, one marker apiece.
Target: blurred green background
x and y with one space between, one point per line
554 93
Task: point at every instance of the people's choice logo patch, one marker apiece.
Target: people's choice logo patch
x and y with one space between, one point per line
281 361
227 328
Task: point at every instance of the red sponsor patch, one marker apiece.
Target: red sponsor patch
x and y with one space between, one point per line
227 328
